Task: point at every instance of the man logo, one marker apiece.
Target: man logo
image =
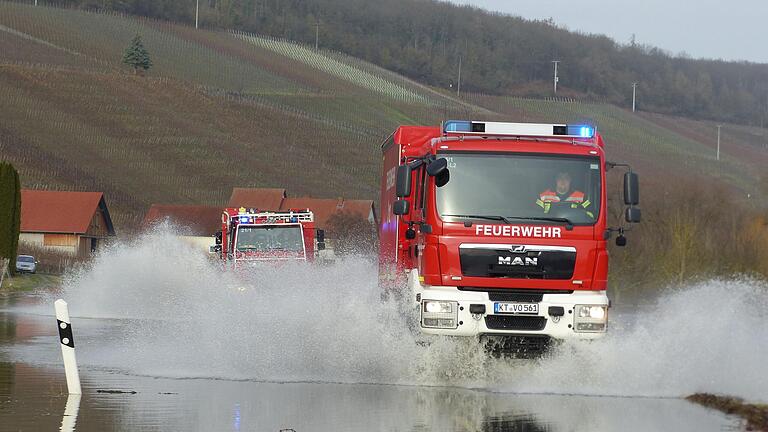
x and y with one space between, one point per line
519 261
517 249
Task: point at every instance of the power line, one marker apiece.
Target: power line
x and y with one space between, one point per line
458 83
718 141
634 93
555 79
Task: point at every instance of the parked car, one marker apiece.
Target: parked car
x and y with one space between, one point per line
26 264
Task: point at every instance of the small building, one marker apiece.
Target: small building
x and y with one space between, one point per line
323 208
194 224
75 223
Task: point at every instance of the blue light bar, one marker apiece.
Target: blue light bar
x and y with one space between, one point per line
583 131
457 126
518 129
245 219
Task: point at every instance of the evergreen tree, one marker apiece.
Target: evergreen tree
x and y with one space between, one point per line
10 213
136 56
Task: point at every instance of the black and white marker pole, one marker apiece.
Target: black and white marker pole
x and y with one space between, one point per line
67 347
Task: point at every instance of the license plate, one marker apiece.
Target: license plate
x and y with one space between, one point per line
516 308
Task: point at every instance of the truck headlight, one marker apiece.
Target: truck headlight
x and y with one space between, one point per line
439 314
590 318
432 306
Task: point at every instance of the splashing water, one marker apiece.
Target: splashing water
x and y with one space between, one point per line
184 316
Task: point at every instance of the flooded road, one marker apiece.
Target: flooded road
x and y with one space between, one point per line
167 341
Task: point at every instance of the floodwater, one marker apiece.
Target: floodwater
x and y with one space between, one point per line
168 341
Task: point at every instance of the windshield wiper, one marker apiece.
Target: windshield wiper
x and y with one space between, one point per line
568 223
494 218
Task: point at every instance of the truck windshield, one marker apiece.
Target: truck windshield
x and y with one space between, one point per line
521 188
269 238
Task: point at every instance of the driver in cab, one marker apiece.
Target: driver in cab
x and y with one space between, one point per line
563 196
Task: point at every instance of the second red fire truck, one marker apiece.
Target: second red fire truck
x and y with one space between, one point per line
251 235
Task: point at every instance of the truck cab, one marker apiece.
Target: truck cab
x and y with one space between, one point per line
250 235
500 229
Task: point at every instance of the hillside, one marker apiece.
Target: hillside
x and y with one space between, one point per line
500 54
223 109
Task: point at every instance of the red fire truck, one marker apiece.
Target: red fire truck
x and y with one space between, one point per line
250 235
499 230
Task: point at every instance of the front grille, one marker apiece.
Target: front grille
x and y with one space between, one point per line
515 322
516 295
516 346
501 262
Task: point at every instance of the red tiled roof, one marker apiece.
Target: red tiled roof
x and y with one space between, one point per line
325 208
60 211
260 198
194 220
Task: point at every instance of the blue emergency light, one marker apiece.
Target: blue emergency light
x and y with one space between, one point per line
244 219
519 129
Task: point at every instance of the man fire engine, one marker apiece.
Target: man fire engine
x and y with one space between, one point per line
465 227
249 235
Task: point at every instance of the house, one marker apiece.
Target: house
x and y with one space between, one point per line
194 224
197 224
76 223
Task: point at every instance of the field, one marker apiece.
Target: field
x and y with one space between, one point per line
222 109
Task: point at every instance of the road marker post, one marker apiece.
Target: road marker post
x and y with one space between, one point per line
67 347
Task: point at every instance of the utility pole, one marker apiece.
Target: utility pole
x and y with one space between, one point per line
634 93
197 12
718 141
555 79
458 83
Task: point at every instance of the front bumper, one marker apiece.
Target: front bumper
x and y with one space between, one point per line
489 323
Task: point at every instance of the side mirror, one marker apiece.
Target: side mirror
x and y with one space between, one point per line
631 189
320 246
621 241
442 178
401 207
218 237
632 215
320 236
437 167
403 182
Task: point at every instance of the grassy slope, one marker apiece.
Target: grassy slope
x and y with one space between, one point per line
219 110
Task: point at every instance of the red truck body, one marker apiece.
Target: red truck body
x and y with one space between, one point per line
452 252
250 235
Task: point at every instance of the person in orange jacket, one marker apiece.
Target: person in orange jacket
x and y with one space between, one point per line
563 195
